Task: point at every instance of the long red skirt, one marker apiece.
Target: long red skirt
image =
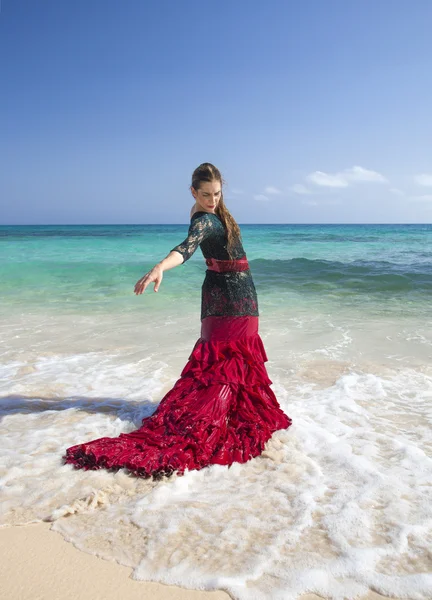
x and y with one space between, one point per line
220 411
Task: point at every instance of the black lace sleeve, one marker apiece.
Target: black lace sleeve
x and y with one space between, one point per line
200 228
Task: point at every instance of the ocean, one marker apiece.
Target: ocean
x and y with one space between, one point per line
338 504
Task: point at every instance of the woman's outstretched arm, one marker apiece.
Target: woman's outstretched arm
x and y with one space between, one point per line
173 259
200 228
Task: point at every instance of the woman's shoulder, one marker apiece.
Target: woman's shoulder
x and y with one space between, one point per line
202 215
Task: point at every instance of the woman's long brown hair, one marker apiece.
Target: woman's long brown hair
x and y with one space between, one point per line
208 172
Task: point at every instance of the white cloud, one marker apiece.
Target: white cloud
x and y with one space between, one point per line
299 188
310 202
397 192
423 179
237 191
360 174
344 178
272 190
326 180
261 197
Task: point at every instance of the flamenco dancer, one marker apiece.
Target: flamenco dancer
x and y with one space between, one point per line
221 410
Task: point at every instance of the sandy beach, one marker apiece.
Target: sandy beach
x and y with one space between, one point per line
37 564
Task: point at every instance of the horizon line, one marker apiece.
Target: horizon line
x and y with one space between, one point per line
184 223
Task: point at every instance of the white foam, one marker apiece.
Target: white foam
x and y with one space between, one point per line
336 505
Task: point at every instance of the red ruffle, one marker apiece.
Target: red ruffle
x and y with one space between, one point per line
221 410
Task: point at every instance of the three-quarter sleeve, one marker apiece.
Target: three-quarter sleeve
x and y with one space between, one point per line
200 228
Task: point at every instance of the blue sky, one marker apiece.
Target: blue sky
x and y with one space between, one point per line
315 111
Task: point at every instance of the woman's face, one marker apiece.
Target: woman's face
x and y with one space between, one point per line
208 195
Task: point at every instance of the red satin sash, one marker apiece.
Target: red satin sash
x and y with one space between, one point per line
222 266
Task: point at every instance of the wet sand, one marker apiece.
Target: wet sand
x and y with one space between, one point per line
38 564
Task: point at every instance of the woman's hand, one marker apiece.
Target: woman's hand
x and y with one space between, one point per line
156 275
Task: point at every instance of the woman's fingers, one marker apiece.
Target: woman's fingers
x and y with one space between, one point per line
142 283
145 283
157 283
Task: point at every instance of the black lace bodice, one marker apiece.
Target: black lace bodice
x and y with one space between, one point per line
223 294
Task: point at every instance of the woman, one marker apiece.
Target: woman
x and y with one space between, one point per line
222 409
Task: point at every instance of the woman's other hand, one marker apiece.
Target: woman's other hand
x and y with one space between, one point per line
156 275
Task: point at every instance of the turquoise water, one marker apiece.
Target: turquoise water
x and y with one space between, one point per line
347 326
93 268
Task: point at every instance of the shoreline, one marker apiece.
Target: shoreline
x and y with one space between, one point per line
38 563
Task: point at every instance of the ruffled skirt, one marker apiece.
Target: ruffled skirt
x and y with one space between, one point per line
221 410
